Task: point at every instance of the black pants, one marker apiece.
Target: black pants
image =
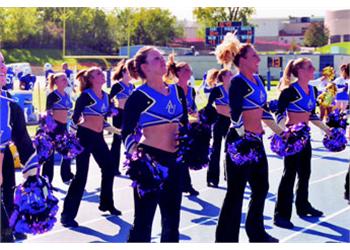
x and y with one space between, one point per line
347 184
185 180
48 166
117 140
168 199
7 189
230 216
298 164
219 132
94 144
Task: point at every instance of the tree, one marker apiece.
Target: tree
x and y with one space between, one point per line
210 16
316 35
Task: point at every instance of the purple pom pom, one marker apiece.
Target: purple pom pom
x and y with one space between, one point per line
246 149
68 145
292 141
47 123
35 207
337 141
194 142
337 119
148 175
44 145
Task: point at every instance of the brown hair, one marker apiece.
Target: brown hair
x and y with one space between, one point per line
130 65
84 77
173 67
221 74
292 69
120 69
52 79
346 69
140 58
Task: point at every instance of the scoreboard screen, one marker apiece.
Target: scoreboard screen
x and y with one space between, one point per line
215 35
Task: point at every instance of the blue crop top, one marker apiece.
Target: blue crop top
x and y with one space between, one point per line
294 99
121 91
246 95
57 101
88 103
147 107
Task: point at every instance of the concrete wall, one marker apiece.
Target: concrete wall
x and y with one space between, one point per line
338 22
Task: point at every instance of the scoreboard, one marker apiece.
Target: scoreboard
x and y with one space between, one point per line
215 35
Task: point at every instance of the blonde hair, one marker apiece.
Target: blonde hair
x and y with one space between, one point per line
212 76
292 69
231 50
52 79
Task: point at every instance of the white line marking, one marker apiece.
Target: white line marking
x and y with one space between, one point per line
315 224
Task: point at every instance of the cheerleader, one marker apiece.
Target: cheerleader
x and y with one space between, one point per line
182 72
12 128
89 113
342 82
121 90
58 103
219 95
247 100
299 100
158 109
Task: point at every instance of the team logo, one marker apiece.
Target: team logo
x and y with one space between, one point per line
170 107
310 104
103 108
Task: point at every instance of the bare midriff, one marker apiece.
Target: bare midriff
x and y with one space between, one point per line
95 123
163 136
223 110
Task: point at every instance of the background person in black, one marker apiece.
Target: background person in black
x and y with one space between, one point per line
219 95
90 110
21 138
121 90
300 163
159 140
58 104
182 71
247 98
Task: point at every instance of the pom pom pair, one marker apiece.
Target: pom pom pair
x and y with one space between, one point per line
46 122
148 175
246 149
35 207
44 145
292 141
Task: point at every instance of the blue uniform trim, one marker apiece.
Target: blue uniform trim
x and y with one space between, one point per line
125 91
99 107
63 102
304 103
257 96
223 100
162 109
32 162
191 103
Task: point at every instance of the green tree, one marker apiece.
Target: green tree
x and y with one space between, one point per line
19 26
316 35
210 16
155 26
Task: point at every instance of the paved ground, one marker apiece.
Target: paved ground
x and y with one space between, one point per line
199 214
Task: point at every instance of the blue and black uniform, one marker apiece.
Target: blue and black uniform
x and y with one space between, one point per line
120 91
244 95
145 108
219 96
12 117
56 101
89 104
294 99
